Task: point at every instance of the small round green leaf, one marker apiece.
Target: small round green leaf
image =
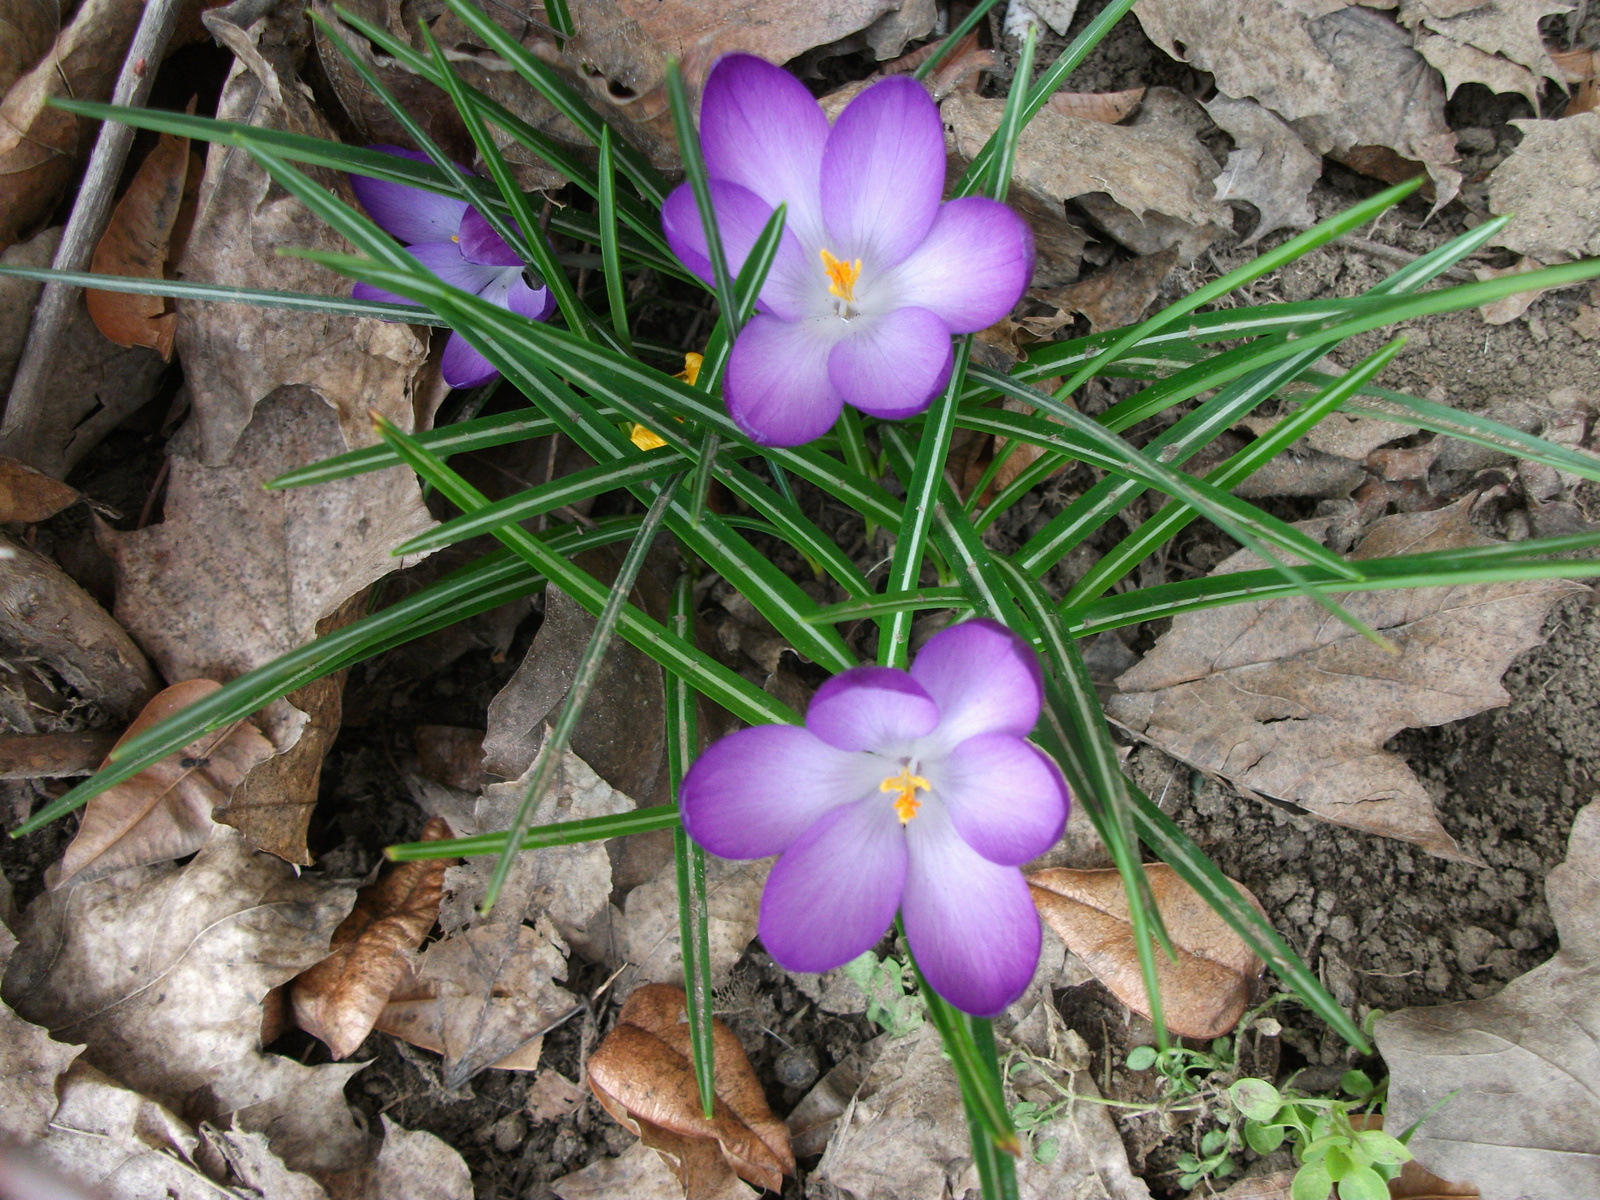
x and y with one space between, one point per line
1264 1139
1383 1147
1256 1098
1362 1183
1311 1182
1357 1083
1141 1058
1045 1152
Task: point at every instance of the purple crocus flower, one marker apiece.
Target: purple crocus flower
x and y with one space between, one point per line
452 240
873 274
904 790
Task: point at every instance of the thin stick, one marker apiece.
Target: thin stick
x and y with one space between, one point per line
22 432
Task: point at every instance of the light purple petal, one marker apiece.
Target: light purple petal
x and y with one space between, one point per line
871 708
833 893
510 291
741 216
970 922
973 266
464 367
984 678
754 792
444 260
408 214
1006 798
365 291
894 365
777 384
883 173
760 128
481 244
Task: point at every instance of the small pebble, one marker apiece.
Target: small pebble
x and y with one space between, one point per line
796 1067
509 1133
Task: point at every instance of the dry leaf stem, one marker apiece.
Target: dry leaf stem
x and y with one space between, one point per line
25 416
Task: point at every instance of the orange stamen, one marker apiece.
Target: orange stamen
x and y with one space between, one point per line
842 276
907 784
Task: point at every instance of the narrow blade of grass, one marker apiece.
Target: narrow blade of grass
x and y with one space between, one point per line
562 833
610 260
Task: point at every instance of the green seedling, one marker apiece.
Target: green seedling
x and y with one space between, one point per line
1330 1147
893 1003
1182 1068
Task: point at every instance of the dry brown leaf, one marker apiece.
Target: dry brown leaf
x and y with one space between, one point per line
1493 42
301 1110
643 1076
1508 308
236 356
1269 166
1284 700
40 145
650 936
1110 107
1551 185
31 1061
1524 1123
161 969
237 575
1203 994
1118 296
339 999
1273 1186
138 241
163 812
52 755
411 1164
44 614
1346 77
27 495
482 998
571 884
251 1161
1149 184
451 755
552 1096
92 385
638 1173
27 31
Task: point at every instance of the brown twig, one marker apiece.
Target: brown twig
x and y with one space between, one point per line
22 432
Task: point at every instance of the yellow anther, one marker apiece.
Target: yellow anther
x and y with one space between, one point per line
648 439
842 276
907 784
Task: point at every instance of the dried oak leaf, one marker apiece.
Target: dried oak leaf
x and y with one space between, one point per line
1110 107
161 969
1508 308
163 812
251 1161
650 935
411 1164
1347 78
638 1173
1203 993
1524 1120
339 999
234 356
1551 185
482 998
31 1062
1119 295
1286 701
1493 42
138 241
27 495
643 1076
301 1110
40 145
237 575
1269 166
1149 184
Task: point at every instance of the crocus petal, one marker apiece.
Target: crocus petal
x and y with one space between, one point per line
752 793
1005 798
893 365
444 260
777 384
973 266
408 214
970 922
761 128
871 708
833 893
984 678
883 173
741 216
481 244
365 291
464 367
509 290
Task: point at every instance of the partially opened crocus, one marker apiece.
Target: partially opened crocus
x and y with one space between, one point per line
451 239
910 790
874 273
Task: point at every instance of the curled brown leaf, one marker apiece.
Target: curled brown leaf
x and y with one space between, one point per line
1203 993
643 1076
339 1000
164 812
28 495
